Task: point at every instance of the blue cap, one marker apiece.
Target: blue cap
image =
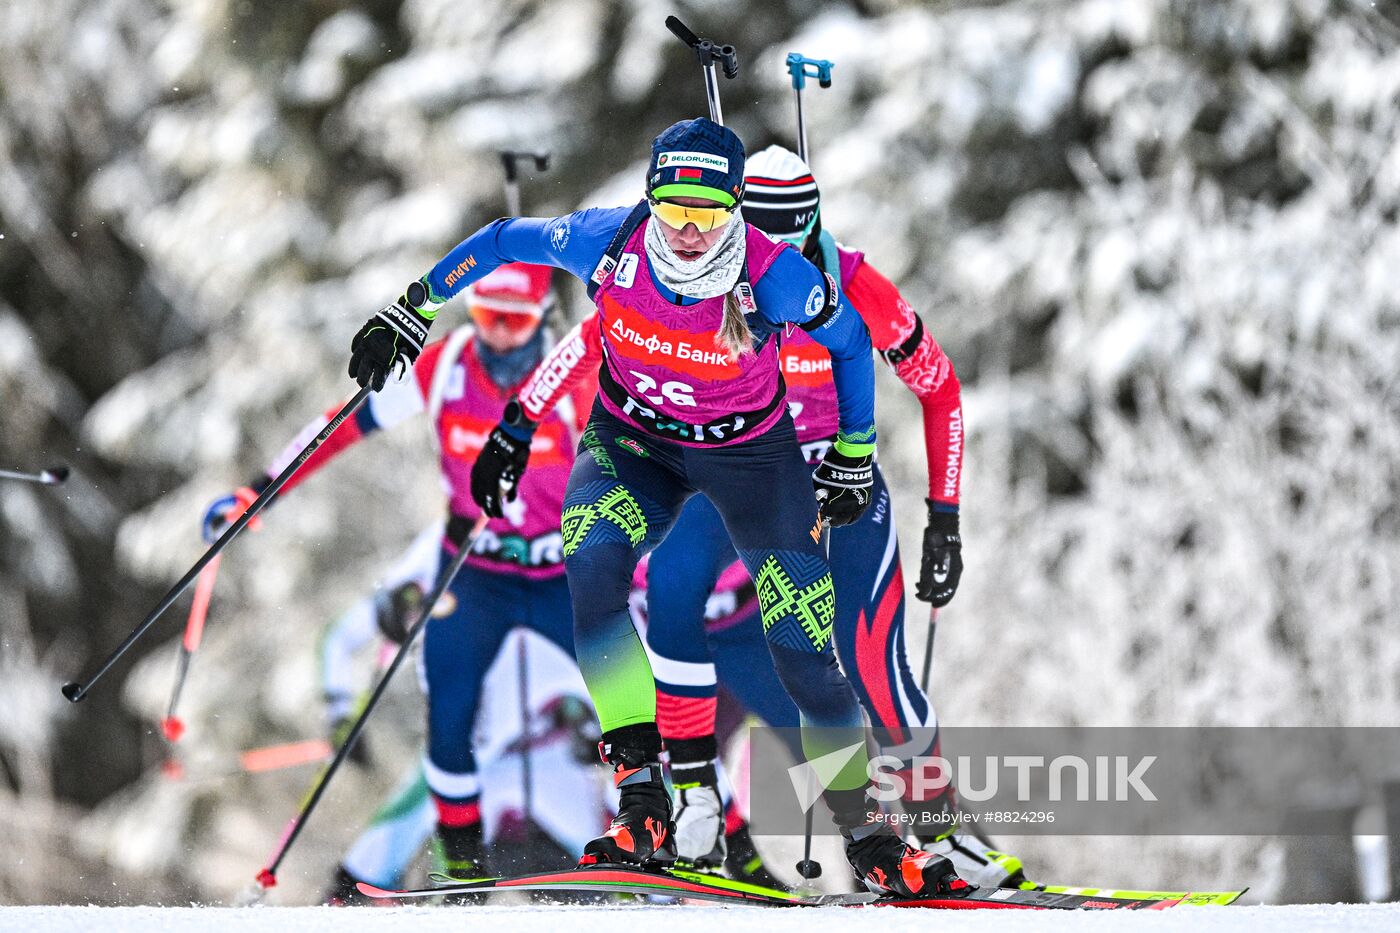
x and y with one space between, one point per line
697 159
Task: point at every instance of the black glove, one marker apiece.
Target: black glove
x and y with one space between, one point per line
498 467
397 609
942 564
359 755
393 338
843 486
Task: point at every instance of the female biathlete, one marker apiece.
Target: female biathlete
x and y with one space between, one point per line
691 400
783 200
514 575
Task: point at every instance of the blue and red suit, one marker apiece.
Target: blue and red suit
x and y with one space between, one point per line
866 569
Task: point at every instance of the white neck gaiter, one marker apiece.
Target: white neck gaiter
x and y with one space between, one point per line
715 272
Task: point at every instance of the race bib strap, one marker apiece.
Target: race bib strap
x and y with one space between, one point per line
604 270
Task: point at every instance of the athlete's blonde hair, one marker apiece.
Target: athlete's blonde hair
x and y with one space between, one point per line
734 336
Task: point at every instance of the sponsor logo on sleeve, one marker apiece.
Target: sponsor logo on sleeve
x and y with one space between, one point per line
743 293
600 273
453 277
815 300
955 443
559 236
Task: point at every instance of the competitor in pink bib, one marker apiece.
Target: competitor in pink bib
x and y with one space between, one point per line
691 301
514 575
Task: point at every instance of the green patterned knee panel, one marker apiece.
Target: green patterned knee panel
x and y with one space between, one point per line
613 516
795 598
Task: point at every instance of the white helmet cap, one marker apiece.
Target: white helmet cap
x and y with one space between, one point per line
780 194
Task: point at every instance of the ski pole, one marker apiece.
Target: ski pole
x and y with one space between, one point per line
74 691
527 772
928 646
51 476
509 160
172 726
800 67
267 878
809 868
708 53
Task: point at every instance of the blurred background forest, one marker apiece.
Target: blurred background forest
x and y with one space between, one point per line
1157 237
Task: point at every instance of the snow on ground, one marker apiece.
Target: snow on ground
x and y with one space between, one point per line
694 919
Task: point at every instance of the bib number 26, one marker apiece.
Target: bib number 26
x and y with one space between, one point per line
677 393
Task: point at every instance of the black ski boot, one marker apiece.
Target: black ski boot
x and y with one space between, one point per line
463 851
343 893
463 857
643 830
889 865
974 857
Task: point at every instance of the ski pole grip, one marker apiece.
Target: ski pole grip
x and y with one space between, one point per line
706 50
800 67
729 59
677 27
511 158
508 166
